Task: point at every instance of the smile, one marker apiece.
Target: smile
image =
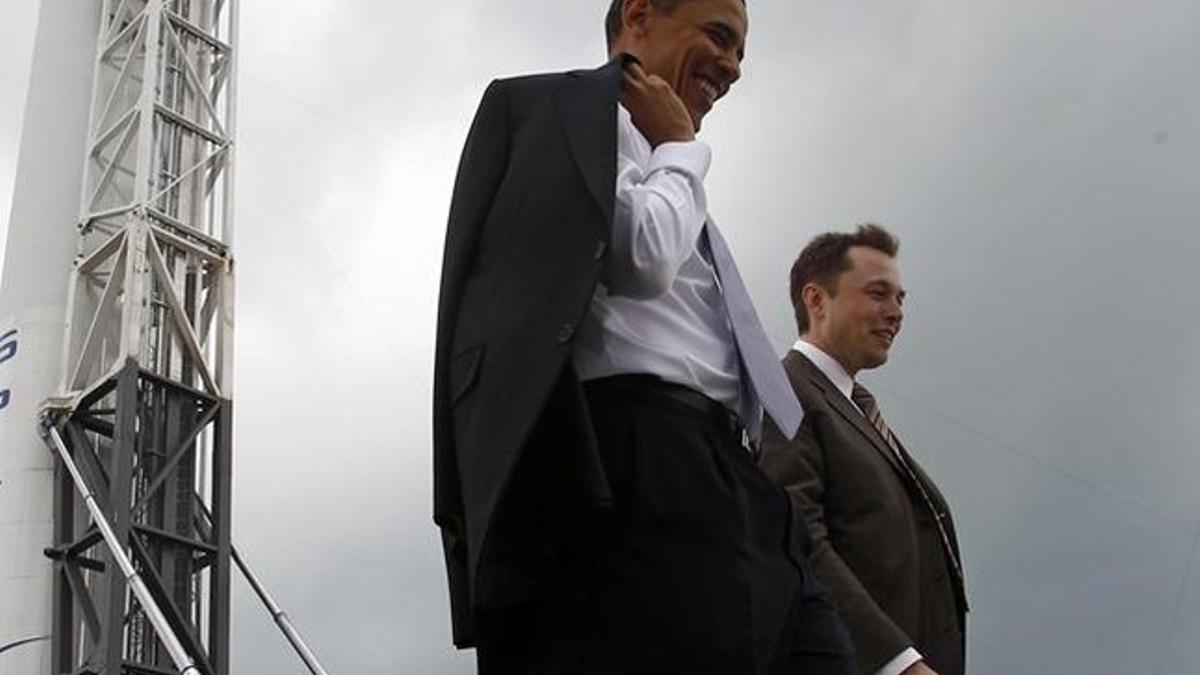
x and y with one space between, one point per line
709 88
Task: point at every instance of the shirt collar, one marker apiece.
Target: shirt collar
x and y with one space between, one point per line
827 365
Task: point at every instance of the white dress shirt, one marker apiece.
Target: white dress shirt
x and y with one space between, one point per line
845 384
658 308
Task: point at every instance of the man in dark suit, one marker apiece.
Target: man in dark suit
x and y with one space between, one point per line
882 539
599 372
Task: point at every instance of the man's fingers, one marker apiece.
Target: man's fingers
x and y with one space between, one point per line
630 86
658 85
635 69
644 80
638 79
656 109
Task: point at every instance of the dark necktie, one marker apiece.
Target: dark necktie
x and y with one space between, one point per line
866 402
767 381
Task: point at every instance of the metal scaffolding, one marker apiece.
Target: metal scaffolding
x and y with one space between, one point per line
145 415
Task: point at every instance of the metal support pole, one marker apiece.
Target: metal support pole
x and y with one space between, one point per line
280 617
277 614
179 656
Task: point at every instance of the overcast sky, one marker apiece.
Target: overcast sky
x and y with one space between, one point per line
1036 157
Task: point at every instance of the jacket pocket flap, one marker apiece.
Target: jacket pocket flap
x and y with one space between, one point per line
464 371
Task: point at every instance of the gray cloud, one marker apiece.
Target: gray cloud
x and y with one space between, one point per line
1035 159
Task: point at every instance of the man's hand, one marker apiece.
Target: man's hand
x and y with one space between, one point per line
656 110
919 668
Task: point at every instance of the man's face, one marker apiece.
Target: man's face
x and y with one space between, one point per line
697 48
857 323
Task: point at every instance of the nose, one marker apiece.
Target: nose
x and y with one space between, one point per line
731 66
894 311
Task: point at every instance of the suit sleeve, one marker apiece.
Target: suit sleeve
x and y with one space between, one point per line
799 466
480 172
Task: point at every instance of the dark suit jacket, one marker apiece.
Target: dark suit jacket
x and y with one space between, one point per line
875 544
528 231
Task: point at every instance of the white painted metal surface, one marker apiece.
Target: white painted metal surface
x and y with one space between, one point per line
119 249
157 197
41 243
153 279
119 243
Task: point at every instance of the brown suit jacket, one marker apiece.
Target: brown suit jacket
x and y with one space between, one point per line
874 542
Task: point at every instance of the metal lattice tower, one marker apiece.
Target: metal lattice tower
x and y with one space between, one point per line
146 407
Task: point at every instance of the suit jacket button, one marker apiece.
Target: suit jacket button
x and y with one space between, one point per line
601 250
566 333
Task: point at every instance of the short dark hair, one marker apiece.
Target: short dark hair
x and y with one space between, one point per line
612 20
825 259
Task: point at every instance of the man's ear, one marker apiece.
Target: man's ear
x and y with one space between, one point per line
634 14
814 298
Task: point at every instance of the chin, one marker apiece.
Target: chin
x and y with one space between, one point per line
697 112
876 360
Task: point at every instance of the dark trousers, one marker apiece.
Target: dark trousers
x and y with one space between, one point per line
690 570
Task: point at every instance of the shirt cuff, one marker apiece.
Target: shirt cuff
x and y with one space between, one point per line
692 157
900 663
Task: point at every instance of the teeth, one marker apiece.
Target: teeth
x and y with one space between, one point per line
709 89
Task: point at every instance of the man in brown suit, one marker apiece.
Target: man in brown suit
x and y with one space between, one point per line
882 539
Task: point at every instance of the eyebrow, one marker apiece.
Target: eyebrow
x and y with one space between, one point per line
882 283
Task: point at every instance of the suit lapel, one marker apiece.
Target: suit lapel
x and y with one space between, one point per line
799 367
852 414
802 367
587 107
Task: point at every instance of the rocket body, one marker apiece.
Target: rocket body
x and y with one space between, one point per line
42 242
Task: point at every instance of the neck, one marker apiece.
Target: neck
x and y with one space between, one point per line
827 346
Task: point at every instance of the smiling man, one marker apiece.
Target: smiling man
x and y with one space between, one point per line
882 538
601 379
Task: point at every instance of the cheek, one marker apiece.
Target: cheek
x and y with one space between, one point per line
690 57
866 317
681 66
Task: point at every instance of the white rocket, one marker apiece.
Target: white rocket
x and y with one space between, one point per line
125 183
42 241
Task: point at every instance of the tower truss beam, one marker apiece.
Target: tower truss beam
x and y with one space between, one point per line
145 408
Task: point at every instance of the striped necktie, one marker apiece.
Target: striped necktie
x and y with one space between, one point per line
866 402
